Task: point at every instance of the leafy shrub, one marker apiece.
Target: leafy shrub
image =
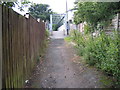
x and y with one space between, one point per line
47 33
102 51
87 29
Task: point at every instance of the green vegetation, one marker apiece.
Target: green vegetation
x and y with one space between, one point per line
95 13
107 82
56 26
57 21
20 5
47 33
41 11
68 39
102 51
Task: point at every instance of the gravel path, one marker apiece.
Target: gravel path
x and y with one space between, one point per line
63 68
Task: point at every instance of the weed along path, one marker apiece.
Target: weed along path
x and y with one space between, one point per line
61 67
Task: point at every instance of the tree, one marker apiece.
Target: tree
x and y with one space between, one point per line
41 11
95 13
20 5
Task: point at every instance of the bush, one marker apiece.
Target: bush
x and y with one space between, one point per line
47 33
87 29
102 51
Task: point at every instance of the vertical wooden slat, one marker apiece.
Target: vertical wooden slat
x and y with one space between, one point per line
14 44
0 47
17 48
7 50
3 52
13 50
10 42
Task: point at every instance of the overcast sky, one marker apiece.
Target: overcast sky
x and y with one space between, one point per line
57 5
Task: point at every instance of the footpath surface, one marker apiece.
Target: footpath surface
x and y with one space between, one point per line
61 67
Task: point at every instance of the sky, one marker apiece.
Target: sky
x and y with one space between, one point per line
58 6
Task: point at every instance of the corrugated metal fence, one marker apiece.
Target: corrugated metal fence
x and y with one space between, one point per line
23 42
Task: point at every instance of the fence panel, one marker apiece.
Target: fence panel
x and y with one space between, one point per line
0 47
22 43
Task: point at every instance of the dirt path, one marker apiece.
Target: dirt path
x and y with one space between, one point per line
62 68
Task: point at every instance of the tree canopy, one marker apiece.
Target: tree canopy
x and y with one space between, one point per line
95 12
17 3
41 11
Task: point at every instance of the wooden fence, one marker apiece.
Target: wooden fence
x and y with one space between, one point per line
0 48
22 43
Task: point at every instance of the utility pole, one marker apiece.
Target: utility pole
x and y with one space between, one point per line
66 22
66 11
51 24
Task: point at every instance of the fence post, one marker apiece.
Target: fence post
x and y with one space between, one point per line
0 47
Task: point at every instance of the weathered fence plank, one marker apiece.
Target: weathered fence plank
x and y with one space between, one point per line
22 43
0 47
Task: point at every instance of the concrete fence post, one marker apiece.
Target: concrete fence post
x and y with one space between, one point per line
0 47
